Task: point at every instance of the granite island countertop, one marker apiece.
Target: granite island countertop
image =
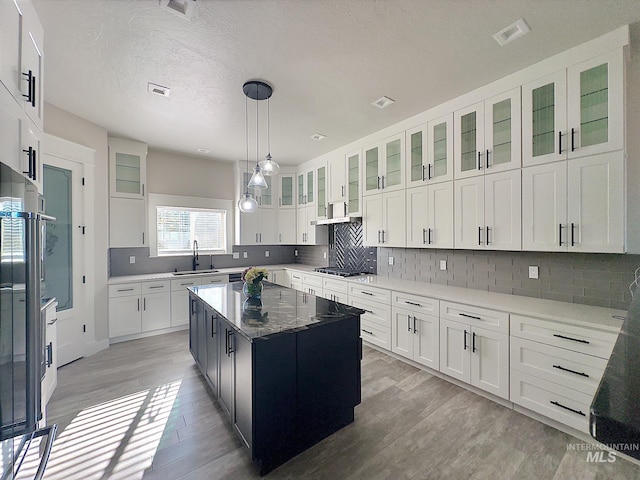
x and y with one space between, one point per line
280 309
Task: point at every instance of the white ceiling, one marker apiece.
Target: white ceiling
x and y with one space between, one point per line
327 60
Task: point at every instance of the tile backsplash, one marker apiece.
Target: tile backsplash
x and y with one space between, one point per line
587 278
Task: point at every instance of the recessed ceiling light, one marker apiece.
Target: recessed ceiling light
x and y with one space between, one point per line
514 31
159 89
318 136
204 150
383 102
182 8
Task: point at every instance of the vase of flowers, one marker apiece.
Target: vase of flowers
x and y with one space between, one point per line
252 278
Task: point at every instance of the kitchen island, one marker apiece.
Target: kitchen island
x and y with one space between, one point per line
285 369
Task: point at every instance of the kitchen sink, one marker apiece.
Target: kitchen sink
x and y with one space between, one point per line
194 272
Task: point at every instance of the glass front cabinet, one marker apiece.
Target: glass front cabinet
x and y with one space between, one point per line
287 189
384 166
430 152
127 168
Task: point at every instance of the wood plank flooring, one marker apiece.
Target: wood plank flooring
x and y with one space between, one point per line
140 409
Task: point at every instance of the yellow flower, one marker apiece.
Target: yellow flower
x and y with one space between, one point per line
255 275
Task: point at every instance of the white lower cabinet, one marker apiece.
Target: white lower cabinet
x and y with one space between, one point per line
416 336
375 323
139 307
279 277
180 301
475 355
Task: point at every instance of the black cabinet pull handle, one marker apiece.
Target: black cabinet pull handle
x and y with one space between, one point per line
573 146
367 331
479 235
559 234
479 164
29 94
144 303
573 238
125 289
29 153
367 293
473 342
487 159
226 342
213 329
559 142
424 236
569 338
33 92
50 354
412 303
582 374
378 187
368 311
429 176
487 239
33 168
408 323
567 408
415 320
138 304
230 336
465 339
423 177
154 286
429 236
469 316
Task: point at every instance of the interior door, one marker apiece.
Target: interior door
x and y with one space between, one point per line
64 252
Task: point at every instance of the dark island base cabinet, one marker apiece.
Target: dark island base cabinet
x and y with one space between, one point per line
285 392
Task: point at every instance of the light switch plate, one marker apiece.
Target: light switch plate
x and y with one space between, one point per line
266 253
236 255
390 260
132 259
533 272
244 255
443 264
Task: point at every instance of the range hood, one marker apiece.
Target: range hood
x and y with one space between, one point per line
337 213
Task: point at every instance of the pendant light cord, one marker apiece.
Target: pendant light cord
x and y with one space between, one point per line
246 138
257 125
269 125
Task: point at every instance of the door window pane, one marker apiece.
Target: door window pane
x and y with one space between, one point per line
594 106
502 132
354 179
440 149
394 164
543 120
416 156
468 141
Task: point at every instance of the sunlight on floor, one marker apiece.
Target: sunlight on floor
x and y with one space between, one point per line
115 439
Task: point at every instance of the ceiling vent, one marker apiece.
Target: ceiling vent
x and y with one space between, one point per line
514 31
204 150
383 102
182 8
318 136
159 89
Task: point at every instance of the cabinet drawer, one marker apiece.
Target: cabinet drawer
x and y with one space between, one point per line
374 333
367 293
573 370
183 283
335 285
335 296
374 312
156 287
475 316
295 276
124 290
214 279
572 337
415 303
311 280
551 400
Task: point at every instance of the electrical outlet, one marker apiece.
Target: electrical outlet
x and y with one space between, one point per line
533 271
266 253
295 253
132 259
324 254
245 254
443 264
236 255
390 260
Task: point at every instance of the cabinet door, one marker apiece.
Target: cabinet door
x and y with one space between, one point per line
402 332
301 225
394 233
393 174
226 387
266 196
490 361
127 168
469 141
243 385
417 147
372 220
301 189
211 370
156 311
310 181
10 131
124 316
180 307
503 212
454 350
440 149
371 180
440 215
201 337
354 194
249 227
32 64
337 179
426 340
595 111
10 74
287 227
268 233
127 222
544 207
287 197
321 200
194 305
30 139
596 203
418 216
469 216
544 120
503 141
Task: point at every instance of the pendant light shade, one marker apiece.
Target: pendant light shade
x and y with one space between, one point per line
268 165
247 204
257 179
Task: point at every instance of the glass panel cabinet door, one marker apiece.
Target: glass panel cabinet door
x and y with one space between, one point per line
127 168
595 106
128 174
301 191
393 159
310 187
266 194
371 170
503 137
440 151
286 191
322 192
544 120
353 198
417 156
469 141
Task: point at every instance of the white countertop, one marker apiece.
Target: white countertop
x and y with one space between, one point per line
578 314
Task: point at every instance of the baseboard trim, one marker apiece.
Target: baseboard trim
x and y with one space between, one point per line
153 333
96 346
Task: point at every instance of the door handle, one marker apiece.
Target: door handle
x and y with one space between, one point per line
559 234
573 239
473 342
415 330
487 236
487 159
465 340
409 323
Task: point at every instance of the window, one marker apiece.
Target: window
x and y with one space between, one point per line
178 227
12 231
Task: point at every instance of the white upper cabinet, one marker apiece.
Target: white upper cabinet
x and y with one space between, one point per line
127 168
488 136
266 197
383 166
344 182
337 173
287 226
384 220
258 228
430 216
10 74
32 65
306 187
430 152
576 112
322 203
286 191
353 186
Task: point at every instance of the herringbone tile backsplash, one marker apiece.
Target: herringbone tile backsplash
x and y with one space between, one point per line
346 250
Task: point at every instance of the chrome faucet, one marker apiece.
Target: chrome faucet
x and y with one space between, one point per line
195 256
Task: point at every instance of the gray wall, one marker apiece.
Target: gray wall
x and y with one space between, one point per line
591 279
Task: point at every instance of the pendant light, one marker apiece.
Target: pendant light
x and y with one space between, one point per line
247 204
257 91
269 166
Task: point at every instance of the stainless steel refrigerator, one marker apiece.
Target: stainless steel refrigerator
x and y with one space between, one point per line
21 329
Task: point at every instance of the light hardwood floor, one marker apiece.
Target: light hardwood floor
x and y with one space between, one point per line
140 409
